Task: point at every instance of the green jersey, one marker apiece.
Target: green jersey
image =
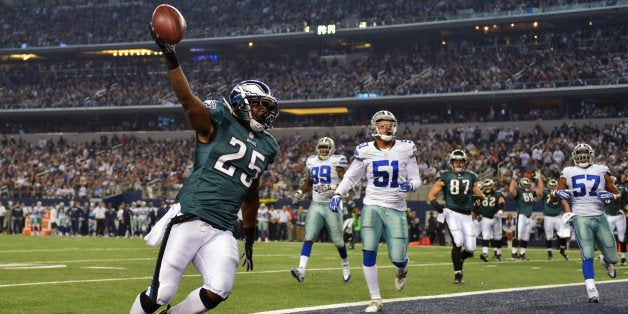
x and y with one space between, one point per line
225 168
458 190
489 206
612 207
525 201
551 208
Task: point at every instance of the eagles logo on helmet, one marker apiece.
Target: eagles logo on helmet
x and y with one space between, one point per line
583 155
488 186
525 183
389 134
458 155
254 93
325 148
552 184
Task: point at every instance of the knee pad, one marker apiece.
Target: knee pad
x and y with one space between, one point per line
147 304
208 301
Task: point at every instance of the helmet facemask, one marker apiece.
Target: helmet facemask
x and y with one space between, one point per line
487 186
384 125
552 184
325 148
583 155
247 100
458 155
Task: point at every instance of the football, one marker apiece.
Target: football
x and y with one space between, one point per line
168 23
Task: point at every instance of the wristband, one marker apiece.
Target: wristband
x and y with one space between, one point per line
172 62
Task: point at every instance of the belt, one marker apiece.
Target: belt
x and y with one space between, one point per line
459 211
190 217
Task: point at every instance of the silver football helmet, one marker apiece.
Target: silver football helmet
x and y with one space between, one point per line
552 184
487 186
458 155
583 155
384 115
325 148
525 183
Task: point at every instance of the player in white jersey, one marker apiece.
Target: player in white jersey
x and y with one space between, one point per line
587 186
324 172
391 171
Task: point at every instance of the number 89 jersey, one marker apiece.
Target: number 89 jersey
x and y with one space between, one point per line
585 182
384 170
324 172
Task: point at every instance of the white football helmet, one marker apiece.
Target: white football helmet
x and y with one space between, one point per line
525 183
325 148
583 155
247 93
383 115
552 184
458 155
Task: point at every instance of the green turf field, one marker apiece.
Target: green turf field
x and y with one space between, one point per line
103 275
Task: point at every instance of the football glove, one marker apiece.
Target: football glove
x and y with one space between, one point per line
336 203
247 255
564 194
477 200
437 206
567 218
498 215
321 188
605 196
406 186
172 62
296 197
165 47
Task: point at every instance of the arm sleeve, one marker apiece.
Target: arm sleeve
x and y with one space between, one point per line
414 176
352 177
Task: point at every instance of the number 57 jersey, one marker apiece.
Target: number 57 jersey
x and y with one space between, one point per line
384 170
585 182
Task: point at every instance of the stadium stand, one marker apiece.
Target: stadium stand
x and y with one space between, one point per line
436 64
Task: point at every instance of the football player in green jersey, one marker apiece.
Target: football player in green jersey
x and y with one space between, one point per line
552 210
616 215
232 150
525 195
461 193
490 215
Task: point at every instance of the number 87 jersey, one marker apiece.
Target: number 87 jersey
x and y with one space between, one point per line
384 170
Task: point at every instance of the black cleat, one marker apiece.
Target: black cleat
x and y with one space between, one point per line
549 255
498 257
458 279
564 255
484 257
523 257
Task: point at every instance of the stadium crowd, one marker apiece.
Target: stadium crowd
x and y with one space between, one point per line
75 22
62 170
592 56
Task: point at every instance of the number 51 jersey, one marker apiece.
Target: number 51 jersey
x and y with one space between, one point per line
385 169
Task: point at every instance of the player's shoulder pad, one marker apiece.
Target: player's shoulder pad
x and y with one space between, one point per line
441 174
339 160
473 174
410 146
360 149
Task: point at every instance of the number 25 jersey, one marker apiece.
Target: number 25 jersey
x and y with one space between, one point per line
225 168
